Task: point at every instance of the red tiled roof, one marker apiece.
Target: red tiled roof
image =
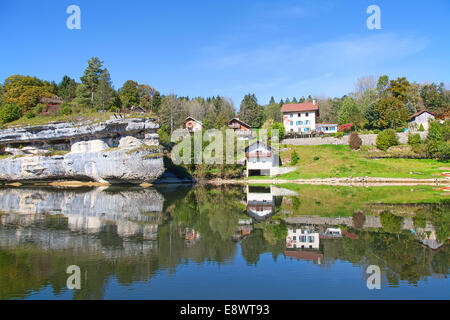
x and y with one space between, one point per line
240 121
419 113
307 106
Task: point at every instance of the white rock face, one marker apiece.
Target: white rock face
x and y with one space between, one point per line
105 155
89 146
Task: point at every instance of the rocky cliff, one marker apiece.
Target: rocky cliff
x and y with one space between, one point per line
115 151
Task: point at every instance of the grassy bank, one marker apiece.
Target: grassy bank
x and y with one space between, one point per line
328 161
344 201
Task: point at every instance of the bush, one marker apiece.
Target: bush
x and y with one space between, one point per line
281 130
354 141
39 108
399 130
391 223
294 158
414 139
30 114
346 127
316 158
358 219
10 112
65 109
421 128
387 138
338 134
376 131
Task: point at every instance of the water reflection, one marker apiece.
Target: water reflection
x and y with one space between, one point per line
137 234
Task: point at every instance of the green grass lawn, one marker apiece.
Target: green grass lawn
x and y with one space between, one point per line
343 201
340 161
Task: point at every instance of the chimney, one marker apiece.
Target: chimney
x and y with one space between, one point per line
314 101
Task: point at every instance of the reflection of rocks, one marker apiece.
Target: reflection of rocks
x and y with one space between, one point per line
75 220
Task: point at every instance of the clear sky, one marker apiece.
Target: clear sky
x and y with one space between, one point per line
229 48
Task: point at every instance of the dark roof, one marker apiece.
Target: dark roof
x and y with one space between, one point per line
240 121
53 100
419 113
307 106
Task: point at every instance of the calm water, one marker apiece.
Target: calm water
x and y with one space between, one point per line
222 243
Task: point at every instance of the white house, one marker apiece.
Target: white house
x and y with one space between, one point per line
420 118
302 118
303 237
260 159
327 127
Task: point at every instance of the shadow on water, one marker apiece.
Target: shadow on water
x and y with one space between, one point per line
138 234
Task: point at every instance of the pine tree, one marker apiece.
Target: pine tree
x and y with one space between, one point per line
91 76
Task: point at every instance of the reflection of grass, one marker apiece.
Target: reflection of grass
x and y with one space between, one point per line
341 161
344 201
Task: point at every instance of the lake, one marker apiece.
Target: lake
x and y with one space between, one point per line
225 242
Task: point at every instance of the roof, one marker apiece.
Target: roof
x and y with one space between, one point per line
260 142
240 121
419 113
307 106
193 119
53 100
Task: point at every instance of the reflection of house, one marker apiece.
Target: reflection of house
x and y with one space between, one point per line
332 233
420 118
260 159
242 231
303 237
315 256
191 236
192 125
260 202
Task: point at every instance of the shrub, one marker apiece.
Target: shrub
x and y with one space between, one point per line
346 127
387 138
354 141
414 139
294 158
10 112
338 134
65 109
358 219
399 130
30 114
421 128
277 126
316 158
39 108
376 131
391 223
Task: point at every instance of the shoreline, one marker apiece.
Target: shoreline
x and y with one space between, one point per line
349 181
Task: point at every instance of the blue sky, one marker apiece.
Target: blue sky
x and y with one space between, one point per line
229 48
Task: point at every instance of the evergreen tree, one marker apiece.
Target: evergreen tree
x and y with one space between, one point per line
91 76
104 93
250 112
272 100
129 94
67 89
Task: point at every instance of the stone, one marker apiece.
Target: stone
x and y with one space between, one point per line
129 142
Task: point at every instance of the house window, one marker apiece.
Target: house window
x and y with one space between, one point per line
306 114
291 115
292 123
307 122
297 122
299 115
301 122
294 238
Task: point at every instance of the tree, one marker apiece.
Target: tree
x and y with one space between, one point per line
436 98
171 112
349 112
9 112
273 111
393 113
145 93
250 112
156 101
83 95
272 100
67 89
129 95
25 91
91 76
372 115
400 88
382 85
104 94
410 107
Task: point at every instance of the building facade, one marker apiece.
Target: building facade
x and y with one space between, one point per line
192 125
420 118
